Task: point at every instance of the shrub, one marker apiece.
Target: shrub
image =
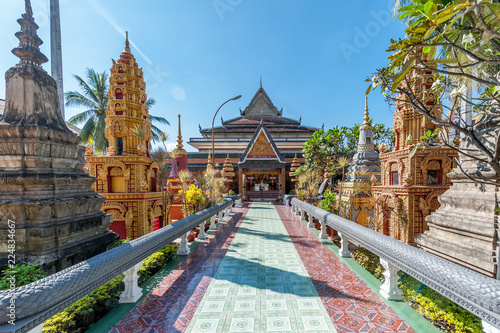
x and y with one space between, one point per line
81 315
440 311
329 202
231 192
292 192
23 273
437 309
370 262
156 261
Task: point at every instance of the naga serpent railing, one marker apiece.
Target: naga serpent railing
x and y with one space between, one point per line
38 301
473 291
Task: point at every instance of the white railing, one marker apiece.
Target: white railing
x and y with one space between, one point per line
40 300
473 291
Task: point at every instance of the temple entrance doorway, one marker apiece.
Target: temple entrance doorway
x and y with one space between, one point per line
267 180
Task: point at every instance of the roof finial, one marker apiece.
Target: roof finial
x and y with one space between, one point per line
366 119
28 50
179 137
28 9
261 82
127 43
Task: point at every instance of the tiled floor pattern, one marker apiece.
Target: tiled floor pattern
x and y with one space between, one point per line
261 284
351 304
170 305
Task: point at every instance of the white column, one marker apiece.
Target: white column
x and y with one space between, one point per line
390 289
293 208
344 246
132 291
488 328
202 234
323 234
184 248
310 224
212 223
302 215
238 203
231 209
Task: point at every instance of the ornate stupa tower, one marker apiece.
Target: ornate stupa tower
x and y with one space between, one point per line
411 184
44 191
127 175
179 163
127 110
364 166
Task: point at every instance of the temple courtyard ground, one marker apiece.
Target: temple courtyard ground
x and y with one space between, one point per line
263 271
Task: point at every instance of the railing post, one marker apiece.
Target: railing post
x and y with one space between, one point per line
184 248
231 208
132 291
310 224
390 289
488 328
238 203
323 234
202 234
212 223
344 246
292 208
302 215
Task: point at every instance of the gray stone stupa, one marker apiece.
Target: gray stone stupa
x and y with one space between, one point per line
43 188
464 229
365 165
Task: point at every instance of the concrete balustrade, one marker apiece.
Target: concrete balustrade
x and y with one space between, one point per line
40 300
473 291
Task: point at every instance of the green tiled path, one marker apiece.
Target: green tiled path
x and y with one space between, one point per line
261 284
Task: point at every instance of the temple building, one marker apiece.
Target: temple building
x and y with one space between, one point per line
127 175
260 144
365 167
411 183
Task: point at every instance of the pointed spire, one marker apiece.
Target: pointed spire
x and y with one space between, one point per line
179 137
127 43
28 9
28 50
366 119
261 82
209 160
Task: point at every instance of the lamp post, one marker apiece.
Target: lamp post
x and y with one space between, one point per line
213 142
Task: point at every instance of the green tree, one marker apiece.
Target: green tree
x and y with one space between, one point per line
324 147
458 42
94 98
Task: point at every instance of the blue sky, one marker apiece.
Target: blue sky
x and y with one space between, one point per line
313 55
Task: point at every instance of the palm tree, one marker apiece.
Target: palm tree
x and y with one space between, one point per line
156 133
95 99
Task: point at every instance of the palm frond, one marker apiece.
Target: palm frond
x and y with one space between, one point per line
150 102
74 98
159 120
87 131
156 133
81 117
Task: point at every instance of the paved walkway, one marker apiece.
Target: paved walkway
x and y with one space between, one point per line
265 271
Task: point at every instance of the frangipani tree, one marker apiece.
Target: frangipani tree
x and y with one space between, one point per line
458 42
